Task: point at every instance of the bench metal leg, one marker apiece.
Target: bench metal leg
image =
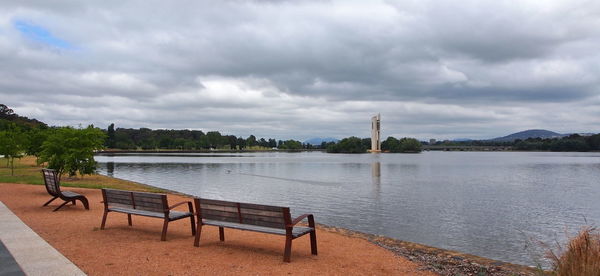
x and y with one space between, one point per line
221 234
164 232
64 203
313 242
288 249
85 202
198 232
45 204
129 219
103 220
193 223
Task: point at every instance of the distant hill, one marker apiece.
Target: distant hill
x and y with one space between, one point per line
531 133
318 141
8 115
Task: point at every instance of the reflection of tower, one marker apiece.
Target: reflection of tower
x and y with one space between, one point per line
376 169
376 177
375 133
110 168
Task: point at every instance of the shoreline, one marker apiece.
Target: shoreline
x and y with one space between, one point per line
121 249
438 260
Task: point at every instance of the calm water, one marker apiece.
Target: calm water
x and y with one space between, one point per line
491 204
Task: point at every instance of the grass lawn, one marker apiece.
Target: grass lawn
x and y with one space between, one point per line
28 172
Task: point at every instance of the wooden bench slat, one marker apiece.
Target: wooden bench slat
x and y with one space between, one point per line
261 212
296 231
227 219
119 201
218 202
260 207
137 212
219 207
264 223
149 200
247 217
217 213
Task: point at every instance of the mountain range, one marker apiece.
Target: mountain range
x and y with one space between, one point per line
531 133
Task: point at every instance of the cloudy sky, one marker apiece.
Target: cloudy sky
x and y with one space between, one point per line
300 69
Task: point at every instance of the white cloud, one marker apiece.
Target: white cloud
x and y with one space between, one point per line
296 69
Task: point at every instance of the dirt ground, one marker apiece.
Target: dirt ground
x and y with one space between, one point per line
137 250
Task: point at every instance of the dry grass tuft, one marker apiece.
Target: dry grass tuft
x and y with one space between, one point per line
581 257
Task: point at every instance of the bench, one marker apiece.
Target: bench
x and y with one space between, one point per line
253 217
53 187
144 204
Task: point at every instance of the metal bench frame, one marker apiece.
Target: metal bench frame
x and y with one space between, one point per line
254 217
53 187
144 204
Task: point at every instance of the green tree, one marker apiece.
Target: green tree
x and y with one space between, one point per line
12 145
251 141
291 145
410 145
348 145
390 144
37 136
110 140
241 143
72 150
215 140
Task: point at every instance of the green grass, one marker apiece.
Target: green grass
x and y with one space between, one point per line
28 172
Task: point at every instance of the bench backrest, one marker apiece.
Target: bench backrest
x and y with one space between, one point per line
246 213
135 200
51 182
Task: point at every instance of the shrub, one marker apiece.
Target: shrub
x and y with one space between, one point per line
581 257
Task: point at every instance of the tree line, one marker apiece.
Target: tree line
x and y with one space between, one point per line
391 144
573 142
65 149
171 139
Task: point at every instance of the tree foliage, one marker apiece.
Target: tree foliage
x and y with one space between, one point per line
291 145
72 150
13 143
348 145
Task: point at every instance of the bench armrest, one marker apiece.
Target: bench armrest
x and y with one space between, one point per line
311 220
183 202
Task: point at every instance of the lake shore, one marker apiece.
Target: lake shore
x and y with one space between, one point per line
124 250
393 256
137 250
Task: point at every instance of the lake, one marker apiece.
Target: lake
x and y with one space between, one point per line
492 204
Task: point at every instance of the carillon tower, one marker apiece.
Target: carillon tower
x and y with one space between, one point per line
375 133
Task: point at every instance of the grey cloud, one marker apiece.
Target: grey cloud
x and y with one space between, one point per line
139 63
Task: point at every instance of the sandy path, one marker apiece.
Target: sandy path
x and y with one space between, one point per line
137 250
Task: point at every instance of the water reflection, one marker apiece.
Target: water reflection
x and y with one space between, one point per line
110 168
376 177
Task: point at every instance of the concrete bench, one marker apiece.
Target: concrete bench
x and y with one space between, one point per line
144 204
254 217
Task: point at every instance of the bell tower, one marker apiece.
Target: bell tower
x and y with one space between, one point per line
375 133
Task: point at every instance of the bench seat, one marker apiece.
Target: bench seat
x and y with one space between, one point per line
173 215
297 231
